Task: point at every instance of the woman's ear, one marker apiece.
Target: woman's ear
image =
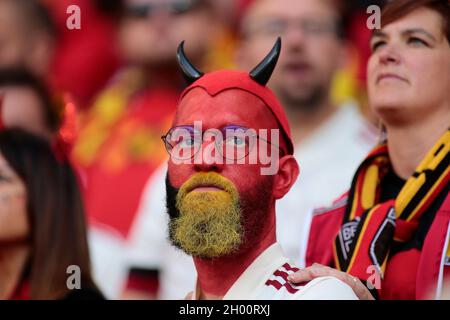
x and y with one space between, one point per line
288 172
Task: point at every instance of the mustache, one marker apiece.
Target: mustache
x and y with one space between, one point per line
206 179
210 179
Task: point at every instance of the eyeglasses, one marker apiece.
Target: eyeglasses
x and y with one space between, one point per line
231 142
173 7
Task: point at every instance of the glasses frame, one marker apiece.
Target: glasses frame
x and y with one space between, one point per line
169 147
173 7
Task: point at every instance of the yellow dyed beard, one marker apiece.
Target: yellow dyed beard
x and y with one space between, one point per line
209 225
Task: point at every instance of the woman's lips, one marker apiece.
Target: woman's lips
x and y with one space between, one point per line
390 76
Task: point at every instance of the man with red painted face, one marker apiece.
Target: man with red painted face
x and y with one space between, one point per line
221 204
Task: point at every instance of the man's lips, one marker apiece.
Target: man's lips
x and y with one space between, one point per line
389 76
205 187
298 68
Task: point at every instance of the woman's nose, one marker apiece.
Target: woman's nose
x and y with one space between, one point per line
389 55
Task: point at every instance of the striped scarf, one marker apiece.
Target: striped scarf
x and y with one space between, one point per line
370 227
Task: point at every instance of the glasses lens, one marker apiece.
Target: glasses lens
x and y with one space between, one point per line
237 144
317 28
183 143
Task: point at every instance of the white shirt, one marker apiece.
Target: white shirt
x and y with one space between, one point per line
107 249
148 245
266 279
328 160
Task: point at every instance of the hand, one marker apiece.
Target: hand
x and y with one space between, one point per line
318 270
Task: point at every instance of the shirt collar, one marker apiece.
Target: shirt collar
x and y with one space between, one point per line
254 276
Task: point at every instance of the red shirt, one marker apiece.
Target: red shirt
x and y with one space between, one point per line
400 269
410 274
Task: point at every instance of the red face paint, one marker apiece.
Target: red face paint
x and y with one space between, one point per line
229 107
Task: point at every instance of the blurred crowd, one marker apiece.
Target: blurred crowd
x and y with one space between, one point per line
104 94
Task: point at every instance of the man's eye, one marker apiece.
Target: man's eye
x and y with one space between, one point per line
273 27
417 42
187 142
236 141
314 27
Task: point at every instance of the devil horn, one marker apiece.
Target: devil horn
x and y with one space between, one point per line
191 74
262 72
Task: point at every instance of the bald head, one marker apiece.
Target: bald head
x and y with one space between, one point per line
232 106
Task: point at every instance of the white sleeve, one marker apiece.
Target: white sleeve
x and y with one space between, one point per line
303 246
326 288
148 234
178 274
149 247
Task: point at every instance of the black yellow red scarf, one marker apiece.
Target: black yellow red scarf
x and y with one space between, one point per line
370 227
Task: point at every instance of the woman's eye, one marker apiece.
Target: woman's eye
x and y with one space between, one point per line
417 42
4 179
377 45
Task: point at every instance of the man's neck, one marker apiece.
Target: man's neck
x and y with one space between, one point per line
217 276
305 123
409 144
12 261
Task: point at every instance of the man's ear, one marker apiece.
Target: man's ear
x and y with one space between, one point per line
288 172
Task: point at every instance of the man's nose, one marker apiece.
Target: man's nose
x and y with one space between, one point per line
294 38
159 18
208 158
